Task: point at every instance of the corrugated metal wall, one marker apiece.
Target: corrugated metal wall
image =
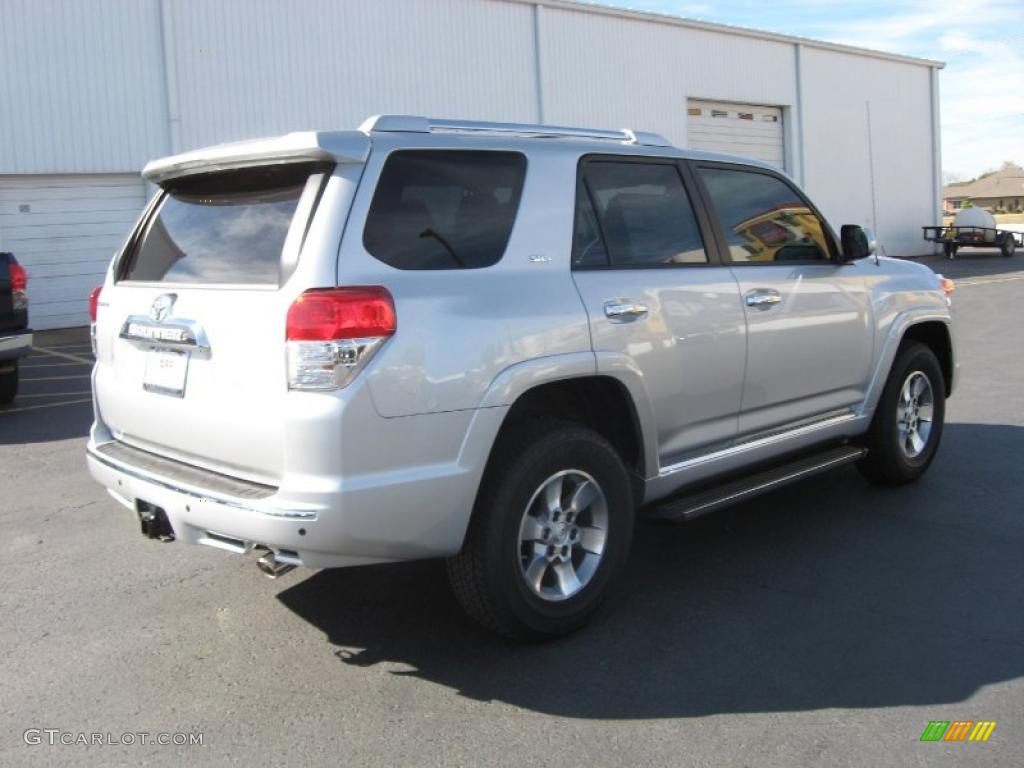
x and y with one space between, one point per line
840 91
103 85
621 72
251 67
80 82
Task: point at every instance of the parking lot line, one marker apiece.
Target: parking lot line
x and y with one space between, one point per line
46 405
38 364
67 344
55 353
58 378
986 280
52 394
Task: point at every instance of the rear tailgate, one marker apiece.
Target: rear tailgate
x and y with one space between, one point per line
190 327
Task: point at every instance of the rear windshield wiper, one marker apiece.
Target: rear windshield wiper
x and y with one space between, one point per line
428 232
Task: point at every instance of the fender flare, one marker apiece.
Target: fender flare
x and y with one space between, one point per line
897 330
515 380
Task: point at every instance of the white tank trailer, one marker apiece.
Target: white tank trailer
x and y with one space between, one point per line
973 228
977 217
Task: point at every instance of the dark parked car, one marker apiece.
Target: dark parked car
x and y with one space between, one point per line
15 336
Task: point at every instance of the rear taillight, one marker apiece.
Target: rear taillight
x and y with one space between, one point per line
19 285
94 302
332 333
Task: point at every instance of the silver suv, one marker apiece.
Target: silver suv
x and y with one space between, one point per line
496 344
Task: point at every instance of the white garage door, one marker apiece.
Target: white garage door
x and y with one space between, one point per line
64 230
737 129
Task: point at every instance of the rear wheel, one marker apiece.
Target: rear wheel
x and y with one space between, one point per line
8 382
908 421
551 531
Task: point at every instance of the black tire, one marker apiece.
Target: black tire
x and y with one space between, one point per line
887 463
489 575
1009 245
8 385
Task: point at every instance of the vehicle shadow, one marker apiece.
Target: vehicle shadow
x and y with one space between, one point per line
832 593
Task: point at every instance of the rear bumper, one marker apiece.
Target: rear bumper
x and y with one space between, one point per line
319 522
15 344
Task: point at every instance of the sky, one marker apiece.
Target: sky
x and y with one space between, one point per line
981 41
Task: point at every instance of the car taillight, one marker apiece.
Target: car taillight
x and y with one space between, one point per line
19 285
94 302
332 333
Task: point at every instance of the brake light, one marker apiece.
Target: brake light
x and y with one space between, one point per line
94 302
19 284
332 333
341 313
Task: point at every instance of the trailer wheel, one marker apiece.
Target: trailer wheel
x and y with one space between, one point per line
1009 245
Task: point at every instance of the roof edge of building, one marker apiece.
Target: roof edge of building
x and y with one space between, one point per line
710 26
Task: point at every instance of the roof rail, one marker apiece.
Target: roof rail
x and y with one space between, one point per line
416 124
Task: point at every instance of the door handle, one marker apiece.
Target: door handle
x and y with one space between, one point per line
763 298
624 311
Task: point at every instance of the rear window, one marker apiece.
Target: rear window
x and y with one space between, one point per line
226 227
444 209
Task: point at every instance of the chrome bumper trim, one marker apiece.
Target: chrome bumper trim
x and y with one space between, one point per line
19 343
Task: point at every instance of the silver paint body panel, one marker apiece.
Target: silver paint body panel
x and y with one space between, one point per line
388 468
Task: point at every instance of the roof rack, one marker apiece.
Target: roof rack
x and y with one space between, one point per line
416 124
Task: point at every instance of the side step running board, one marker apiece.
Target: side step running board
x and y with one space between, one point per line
697 504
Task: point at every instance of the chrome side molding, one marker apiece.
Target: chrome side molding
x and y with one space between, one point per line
777 437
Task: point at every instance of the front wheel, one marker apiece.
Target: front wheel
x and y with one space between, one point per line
907 426
8 383
550 533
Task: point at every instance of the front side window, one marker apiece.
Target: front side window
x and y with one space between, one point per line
764 219
227 227
444 209
645 214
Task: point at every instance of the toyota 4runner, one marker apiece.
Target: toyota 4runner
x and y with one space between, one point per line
495 344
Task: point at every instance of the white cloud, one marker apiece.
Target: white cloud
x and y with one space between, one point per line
982 87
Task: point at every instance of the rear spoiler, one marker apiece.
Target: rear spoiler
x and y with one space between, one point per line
305 146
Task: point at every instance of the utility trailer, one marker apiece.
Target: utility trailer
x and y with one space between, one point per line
954 237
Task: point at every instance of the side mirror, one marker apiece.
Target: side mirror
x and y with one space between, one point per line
857 242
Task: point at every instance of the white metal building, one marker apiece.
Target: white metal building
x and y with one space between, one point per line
92 89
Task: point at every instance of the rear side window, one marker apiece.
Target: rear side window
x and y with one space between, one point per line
764 218
444 209
646 218
227 227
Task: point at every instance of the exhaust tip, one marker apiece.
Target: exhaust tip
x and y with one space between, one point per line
271 567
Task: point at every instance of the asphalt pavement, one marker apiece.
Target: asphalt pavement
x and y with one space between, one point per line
824 624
